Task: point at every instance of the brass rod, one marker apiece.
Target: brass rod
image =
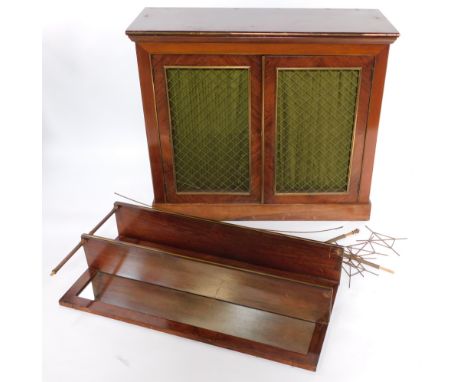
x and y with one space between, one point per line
343 236
79 245
104 219
389 239
133 200
66 258
322 230
370 264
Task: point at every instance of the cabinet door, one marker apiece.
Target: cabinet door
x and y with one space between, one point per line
315 124
209 117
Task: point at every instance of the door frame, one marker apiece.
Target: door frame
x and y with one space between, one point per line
272 63
254 64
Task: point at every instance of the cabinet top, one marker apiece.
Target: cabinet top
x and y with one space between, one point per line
268 22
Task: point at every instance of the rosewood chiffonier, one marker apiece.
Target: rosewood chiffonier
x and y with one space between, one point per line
250 114
262 113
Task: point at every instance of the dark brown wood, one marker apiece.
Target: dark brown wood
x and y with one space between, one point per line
152 128
298 37
230 241
375 104
307 361
211 279
368 23
235 264
277 330
144 234
257 292
261 46
159 75
365 63
316 211
150 40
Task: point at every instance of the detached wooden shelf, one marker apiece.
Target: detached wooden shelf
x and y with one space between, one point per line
249 290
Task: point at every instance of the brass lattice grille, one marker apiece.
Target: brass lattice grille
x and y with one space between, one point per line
209 111
315 122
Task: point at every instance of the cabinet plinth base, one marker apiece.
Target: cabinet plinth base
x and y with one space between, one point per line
323 211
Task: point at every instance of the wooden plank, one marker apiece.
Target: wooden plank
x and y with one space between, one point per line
256 247
257 46
312 211
307 361
239 321
265 21
237 286
232 263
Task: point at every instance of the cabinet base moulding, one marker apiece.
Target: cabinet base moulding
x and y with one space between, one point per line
323 211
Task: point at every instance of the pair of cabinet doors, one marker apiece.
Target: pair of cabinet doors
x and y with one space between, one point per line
261 129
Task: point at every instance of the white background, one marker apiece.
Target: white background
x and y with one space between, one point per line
387 328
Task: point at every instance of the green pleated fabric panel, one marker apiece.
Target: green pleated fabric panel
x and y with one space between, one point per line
209 111
315 122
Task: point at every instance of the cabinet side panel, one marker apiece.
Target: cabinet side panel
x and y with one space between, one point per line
375 104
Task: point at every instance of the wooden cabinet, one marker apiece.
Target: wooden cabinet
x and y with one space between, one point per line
262 113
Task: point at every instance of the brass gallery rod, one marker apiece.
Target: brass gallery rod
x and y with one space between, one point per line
352 256
343 236
366 262
80 244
